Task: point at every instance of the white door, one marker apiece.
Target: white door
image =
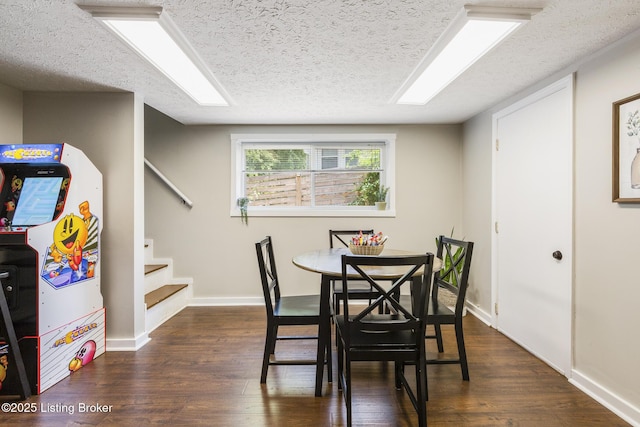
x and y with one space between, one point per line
533 213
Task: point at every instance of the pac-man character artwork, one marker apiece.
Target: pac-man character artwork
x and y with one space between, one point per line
72 256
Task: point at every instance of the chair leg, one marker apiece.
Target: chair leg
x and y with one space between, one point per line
274 339
421 392
336 310
269 349
347 392
423 363
399 371
329 360
462 352
340 362
438 331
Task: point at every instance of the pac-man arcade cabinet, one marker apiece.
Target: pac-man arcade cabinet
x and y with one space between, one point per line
50 225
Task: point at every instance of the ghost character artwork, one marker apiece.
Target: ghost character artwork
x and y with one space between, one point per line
72 256
83 356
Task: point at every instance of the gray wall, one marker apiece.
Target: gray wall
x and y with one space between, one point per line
10 115
607 291
217 250
477 213
606 348
103 125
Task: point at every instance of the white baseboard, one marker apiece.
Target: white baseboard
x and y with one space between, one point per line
482 315
606 398
127 344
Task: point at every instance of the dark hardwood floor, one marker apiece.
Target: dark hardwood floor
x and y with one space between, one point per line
202 367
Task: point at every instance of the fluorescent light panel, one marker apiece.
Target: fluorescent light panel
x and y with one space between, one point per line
472 34
152 34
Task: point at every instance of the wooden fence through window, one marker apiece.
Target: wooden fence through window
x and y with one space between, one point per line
294 189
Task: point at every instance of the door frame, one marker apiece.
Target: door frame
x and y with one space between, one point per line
567 82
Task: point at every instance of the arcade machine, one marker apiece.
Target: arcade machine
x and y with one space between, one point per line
50 212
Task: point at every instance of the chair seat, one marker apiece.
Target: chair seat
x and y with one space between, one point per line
354 288
380 340
440 312
297 306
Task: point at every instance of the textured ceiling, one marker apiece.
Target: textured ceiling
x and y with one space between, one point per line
303 61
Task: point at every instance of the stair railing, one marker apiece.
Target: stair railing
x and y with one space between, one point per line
185 200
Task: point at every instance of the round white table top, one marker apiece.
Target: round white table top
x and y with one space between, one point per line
329 262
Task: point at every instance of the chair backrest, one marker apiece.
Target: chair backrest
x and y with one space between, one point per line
268 273
454 274
343 236
411 274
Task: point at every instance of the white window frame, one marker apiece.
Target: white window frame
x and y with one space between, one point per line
389 161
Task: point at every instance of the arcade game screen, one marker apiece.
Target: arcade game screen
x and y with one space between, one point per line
37 201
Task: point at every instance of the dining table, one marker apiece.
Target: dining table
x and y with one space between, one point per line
328 262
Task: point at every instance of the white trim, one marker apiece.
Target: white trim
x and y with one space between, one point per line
477 312
128 344
606 398
369 211
313 137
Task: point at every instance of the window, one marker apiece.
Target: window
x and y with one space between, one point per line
329 158
312 175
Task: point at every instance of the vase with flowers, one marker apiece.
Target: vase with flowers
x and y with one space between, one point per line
633 130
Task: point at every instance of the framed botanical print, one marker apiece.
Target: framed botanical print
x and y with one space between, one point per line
626 150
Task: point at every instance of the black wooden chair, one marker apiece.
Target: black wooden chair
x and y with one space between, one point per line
454 277
397 335
284 311
359 290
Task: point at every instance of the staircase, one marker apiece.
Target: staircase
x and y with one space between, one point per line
164 295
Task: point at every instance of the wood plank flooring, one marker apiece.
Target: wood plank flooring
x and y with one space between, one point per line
202 367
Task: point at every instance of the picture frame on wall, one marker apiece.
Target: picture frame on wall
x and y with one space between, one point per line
626 150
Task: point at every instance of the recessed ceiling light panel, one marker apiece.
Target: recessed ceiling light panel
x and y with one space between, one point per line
151 33
474 32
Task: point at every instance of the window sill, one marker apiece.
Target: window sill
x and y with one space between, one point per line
365 213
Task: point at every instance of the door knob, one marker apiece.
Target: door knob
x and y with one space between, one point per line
557 255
